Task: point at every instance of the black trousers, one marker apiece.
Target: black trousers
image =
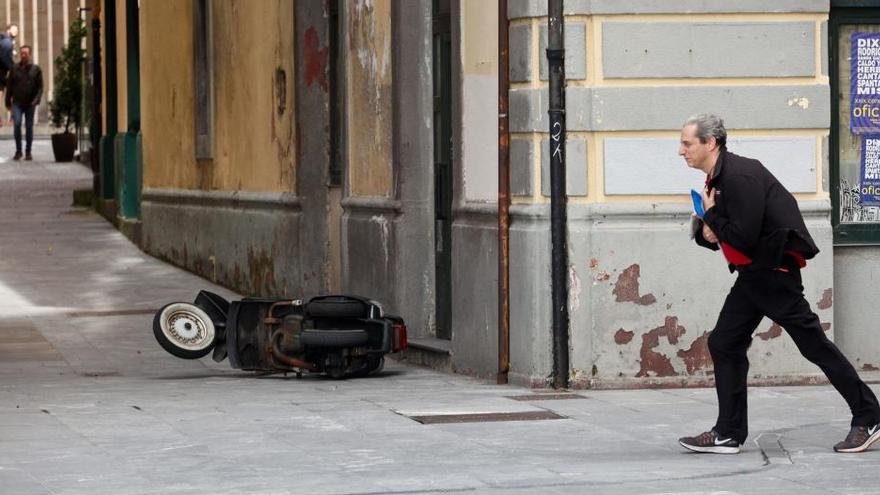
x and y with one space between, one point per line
779 296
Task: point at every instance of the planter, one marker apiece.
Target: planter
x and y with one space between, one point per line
64 146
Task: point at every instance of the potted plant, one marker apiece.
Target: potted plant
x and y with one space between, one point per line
65 109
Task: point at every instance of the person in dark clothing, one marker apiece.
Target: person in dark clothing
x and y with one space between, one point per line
7 48
23 94
757 225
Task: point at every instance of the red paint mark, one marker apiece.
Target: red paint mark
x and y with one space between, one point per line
697 357
826 302
774 331
623 337
826 326
315 59
869 367
654 363
627 288
594 263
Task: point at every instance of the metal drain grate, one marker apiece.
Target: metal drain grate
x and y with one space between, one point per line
430 419
533 397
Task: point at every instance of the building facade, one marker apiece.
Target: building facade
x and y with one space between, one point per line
305 147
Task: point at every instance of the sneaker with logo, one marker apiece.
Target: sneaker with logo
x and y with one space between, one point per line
709 442
859 439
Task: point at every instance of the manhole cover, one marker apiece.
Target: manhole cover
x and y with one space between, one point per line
429 419
533 397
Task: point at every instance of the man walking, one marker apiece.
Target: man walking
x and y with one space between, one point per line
23 94
757 225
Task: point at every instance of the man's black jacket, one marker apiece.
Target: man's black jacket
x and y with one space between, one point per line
754 213
24 86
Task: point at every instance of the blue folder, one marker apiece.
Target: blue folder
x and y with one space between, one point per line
698 202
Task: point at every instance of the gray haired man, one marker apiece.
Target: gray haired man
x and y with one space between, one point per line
757 225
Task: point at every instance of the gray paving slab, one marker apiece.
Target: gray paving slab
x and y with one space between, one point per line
92 405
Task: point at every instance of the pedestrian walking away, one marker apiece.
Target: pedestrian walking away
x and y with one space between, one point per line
757 225
7 49
23 93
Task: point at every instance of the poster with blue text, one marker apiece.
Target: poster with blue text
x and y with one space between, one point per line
865 83
869 173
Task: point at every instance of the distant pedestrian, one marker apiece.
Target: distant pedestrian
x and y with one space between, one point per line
758 226
23 94
7 56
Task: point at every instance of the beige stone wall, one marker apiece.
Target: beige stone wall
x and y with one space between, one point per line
253 115
369 97
608 65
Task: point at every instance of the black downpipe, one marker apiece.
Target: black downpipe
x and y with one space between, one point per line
558 198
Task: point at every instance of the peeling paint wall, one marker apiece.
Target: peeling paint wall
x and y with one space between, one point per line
254 102
167 119
369 97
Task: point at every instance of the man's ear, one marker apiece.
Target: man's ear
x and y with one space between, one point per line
712 142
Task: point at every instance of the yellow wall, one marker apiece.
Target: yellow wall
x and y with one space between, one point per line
369 95
254 147
121 68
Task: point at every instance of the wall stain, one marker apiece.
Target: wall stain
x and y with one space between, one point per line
774 331
315 59
622 337
826 301
653 363
869 367
826 326
627 288
697 356
261 268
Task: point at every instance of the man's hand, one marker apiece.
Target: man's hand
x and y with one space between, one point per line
708 199
709 235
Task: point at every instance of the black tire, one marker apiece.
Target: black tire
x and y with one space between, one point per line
336 307
184 330
333 338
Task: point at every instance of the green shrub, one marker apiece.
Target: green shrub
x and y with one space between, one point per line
65 108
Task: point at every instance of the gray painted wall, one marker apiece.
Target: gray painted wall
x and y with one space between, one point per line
856 293
313 157
246 241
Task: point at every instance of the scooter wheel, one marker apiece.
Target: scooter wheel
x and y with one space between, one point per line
184 330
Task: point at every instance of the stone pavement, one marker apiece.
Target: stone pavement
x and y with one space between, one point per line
90 404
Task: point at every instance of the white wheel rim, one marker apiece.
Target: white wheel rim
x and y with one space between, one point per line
187 326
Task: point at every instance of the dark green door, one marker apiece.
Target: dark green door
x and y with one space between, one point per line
442 76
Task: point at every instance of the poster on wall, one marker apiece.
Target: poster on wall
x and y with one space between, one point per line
865 83
870 170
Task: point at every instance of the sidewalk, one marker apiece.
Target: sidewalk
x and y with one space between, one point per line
90 404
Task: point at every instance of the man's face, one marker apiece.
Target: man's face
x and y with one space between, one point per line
25 55
697 155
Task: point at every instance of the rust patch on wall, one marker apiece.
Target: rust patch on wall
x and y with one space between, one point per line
261 269
697 356
774 331
826 326
315 59
826 300
622 337
654 363
627 288
869 367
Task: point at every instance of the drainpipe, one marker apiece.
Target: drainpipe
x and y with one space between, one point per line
503 195
558 215
96 131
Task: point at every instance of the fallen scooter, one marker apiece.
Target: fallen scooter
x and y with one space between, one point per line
340 335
